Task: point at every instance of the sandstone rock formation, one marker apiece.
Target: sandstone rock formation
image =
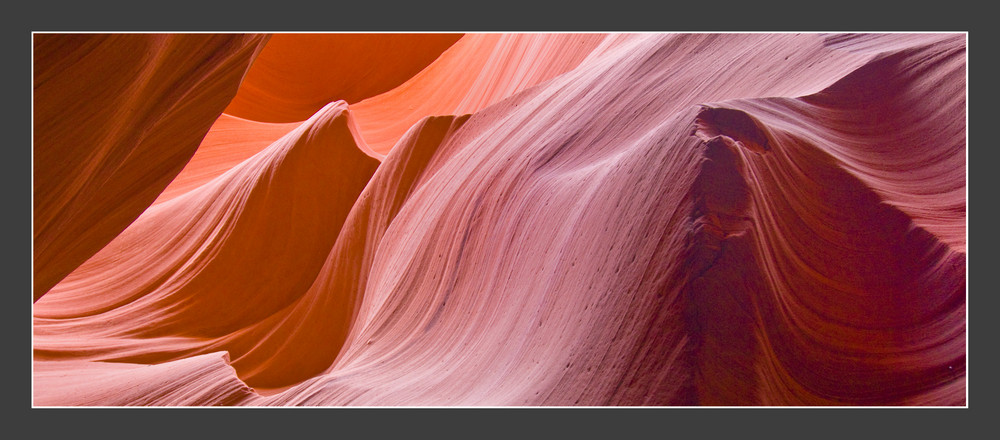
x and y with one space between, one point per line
532 220
116 117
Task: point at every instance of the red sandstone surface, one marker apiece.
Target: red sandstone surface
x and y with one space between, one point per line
500 220
116 117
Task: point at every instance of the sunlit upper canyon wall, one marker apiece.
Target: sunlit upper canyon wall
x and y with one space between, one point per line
499 219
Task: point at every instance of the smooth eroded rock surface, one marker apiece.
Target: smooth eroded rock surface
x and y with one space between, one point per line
554 219
116 117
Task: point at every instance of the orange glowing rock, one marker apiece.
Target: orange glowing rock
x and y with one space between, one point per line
297 74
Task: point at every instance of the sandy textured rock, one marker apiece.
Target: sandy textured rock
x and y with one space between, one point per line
649 219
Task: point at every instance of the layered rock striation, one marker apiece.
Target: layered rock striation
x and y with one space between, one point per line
548 220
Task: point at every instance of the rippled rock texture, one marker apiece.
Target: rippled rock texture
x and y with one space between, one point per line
500 219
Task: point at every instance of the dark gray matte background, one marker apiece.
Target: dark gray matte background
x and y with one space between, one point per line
612 423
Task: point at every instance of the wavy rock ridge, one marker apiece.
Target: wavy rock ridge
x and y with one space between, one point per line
550 219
